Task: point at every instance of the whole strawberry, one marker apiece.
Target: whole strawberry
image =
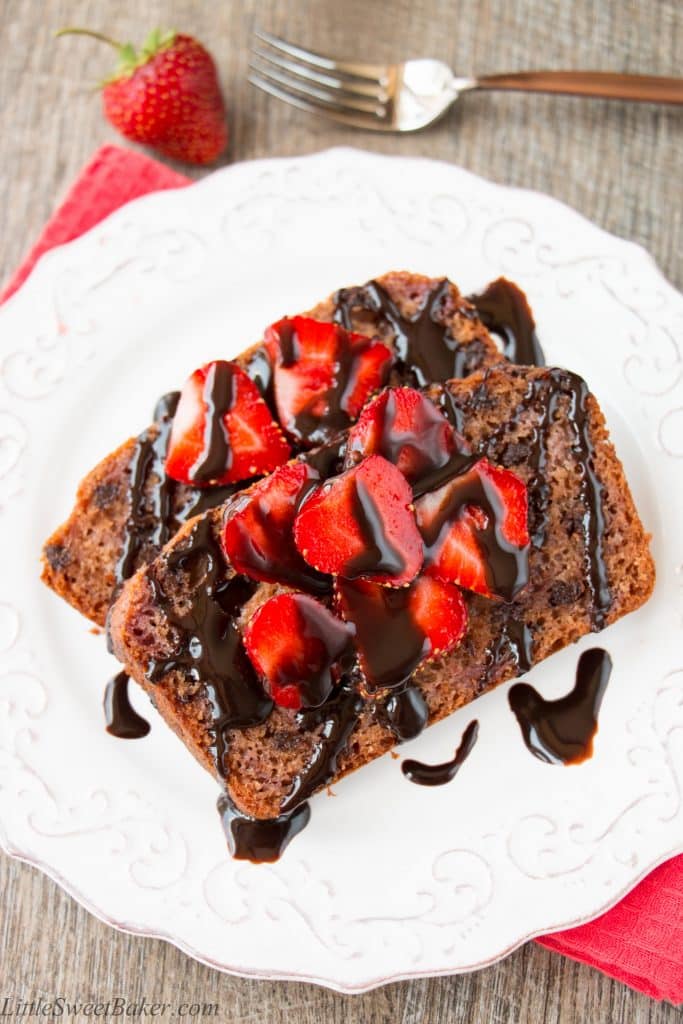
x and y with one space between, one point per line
166 96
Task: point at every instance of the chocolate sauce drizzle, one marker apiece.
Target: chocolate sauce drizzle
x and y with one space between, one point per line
210 648
122 719
546 393
433 456
149 519
506 565
562 731
328 642
260 369
392 644
405 713
308 427
378 555
260 840
425 349
338 718
328 459
219 398
504 310
440 774
153 498
288 567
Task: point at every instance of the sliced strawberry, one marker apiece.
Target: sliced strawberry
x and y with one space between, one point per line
405 427
296 645
258 534
369 371
222 429
323 375
396 630
361 524
475 531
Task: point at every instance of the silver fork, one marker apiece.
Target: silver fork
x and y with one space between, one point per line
408 96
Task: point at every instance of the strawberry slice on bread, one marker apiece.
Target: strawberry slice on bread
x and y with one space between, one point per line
475 531
398 629
405 427
296 646
222 430
361 524
323 375
258 533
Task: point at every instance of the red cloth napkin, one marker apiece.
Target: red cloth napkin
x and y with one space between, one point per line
640 941
112 178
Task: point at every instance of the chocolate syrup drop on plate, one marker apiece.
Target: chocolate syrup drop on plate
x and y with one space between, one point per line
440 774
561 731
122 719
504 310
262 841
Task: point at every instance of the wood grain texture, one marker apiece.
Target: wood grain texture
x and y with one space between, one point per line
620 165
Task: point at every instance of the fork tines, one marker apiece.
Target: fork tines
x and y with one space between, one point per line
354 93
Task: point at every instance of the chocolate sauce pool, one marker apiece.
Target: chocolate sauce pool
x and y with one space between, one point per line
562 731
440 774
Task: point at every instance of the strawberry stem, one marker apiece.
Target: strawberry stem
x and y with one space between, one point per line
88 32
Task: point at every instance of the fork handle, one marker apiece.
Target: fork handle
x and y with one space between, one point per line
605 84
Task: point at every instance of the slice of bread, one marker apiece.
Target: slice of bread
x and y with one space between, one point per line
589 565
104 539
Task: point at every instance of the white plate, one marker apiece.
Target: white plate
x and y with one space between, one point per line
390 880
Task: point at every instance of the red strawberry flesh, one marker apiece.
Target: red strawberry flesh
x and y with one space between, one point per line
396 630
475 531
405 427
258 534
361 524
323 375
222 429
296 645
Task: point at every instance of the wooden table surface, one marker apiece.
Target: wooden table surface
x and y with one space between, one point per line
618 164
